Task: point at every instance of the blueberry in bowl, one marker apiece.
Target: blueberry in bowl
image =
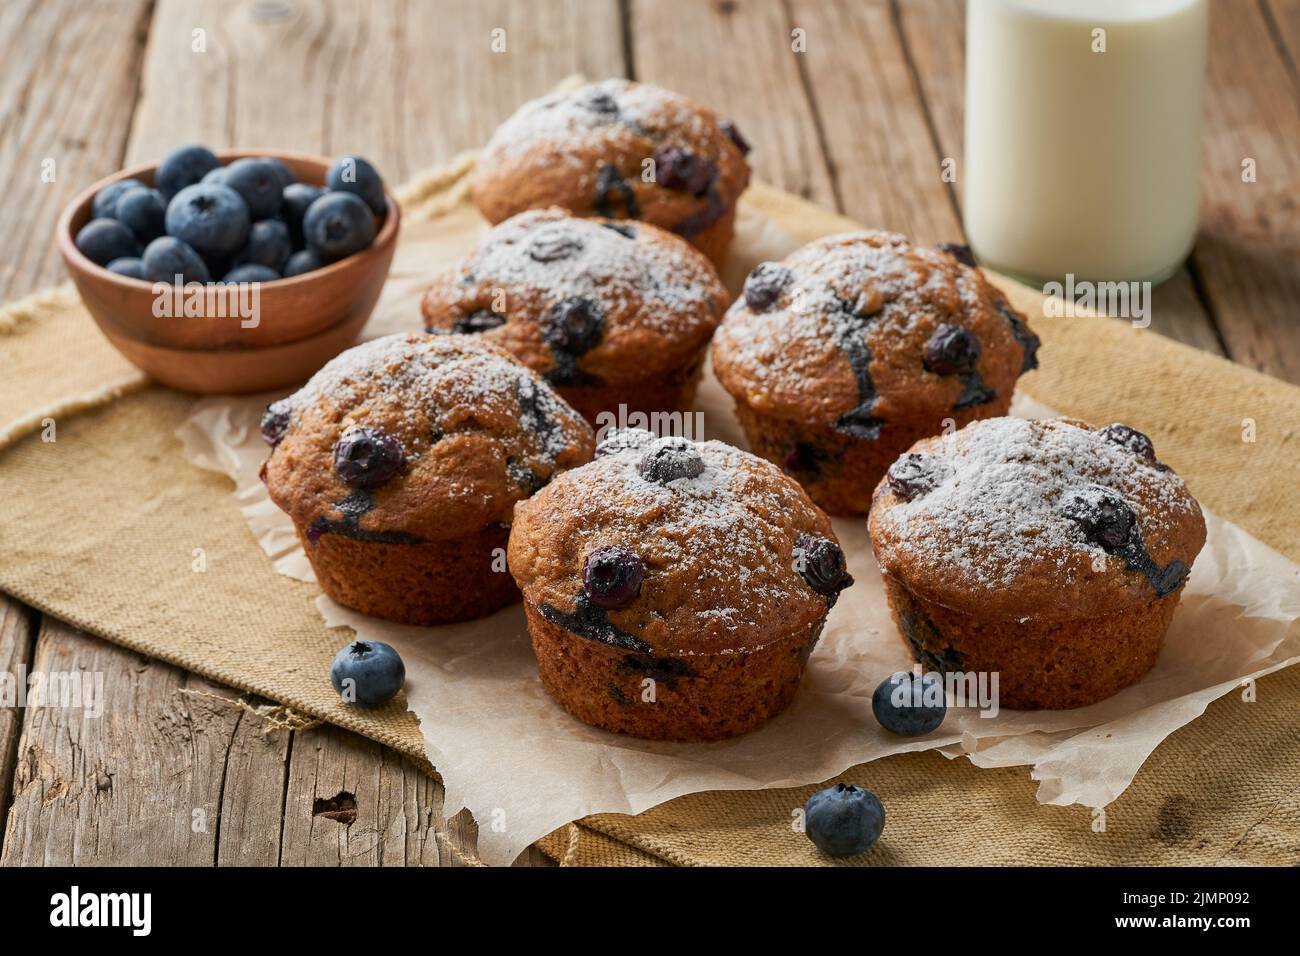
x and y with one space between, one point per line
311 308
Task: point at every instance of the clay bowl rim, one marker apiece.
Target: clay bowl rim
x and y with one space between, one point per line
386 235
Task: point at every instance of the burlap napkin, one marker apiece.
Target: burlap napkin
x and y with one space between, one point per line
104 525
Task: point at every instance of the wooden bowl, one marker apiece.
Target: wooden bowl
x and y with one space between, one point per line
300 323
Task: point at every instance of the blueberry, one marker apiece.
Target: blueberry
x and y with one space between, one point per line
297 198
337 225
822 565
914 474
129 266
352 174
259 182
910 705
267 245
843 820
1020 331
275 422
550 245
368 673
765 284
216 175
251 272
141 210
669 459
1103 516
304 260
611 577
950 350
282 168
480 320
212 219
676 168
574 325
1130 438
733 134
103 240
598 101
105 202
367 457
184 166
168 257
959 251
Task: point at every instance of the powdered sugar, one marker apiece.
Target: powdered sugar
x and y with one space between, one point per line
557 256
995 507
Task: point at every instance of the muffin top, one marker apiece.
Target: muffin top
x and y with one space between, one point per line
416 438
582 301
674 548
587 150
1009 518
856 330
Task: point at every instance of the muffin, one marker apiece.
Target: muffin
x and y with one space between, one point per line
400 463
857 345
1049 552
620 150
674 589
610 313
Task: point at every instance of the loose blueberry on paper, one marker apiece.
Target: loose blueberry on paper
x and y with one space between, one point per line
843 820
910 705
249 221
367 673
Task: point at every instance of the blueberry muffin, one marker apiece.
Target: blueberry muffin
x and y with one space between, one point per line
674 589
1050 552
854 347
400 463
620 150
610 313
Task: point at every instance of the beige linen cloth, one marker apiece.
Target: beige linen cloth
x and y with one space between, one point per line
101 516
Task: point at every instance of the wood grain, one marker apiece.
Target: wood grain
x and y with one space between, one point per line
1248 256
932 35
16 622
735 56
67 91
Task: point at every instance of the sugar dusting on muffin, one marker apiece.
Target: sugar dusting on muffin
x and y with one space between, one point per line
997 498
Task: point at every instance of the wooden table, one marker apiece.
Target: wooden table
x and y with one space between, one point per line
181 771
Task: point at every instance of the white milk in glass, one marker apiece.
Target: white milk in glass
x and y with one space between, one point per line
1083 122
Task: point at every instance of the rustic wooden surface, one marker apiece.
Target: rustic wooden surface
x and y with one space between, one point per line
181 771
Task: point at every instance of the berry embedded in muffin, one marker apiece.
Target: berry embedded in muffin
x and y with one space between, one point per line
610 313
842 355
620 150
674 589
400 463
1050 552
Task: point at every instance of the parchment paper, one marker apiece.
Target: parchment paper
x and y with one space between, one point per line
523 767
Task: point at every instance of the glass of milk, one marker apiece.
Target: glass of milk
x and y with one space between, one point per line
1083 125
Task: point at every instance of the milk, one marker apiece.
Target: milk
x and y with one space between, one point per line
1078 162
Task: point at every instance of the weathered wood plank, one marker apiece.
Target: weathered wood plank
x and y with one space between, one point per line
933 39
735 56
876 135
408 84
16 624
352 802
1248 256
67 90
139 783
252 796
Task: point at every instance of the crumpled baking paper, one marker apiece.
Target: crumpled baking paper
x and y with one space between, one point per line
523 767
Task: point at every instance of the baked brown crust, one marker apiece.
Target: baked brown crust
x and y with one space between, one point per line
728 609
478 431
586 150
794 359
989 530
655 298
